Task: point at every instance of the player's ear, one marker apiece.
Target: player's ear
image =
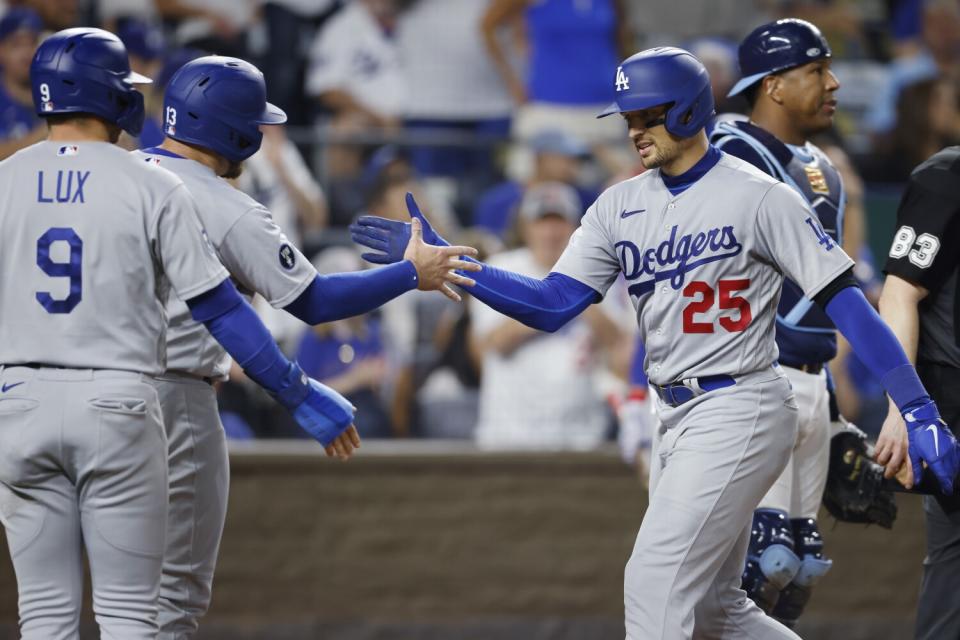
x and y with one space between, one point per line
772 88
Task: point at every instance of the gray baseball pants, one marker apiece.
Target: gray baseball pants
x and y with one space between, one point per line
199 478
713 459
82 468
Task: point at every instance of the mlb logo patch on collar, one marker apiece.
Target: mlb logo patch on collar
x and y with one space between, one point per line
68 150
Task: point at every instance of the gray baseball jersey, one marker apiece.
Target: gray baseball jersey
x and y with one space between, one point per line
248 243
101 239
705 267
260 259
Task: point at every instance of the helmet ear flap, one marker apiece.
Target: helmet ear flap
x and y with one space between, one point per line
133 113
245 143
684 119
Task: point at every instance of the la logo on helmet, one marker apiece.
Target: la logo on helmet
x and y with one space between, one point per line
623 82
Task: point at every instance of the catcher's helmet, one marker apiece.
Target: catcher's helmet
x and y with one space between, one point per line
778 46
87 71
219 103
665 75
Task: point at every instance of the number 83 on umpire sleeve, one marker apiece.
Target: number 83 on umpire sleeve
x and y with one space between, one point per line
927 246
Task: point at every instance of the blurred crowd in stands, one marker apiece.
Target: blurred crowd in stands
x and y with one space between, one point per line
484 109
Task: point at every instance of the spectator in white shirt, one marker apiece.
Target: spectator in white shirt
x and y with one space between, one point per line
540 390
355 64
456 87
354 73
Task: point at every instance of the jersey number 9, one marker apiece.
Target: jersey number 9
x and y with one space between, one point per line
72 268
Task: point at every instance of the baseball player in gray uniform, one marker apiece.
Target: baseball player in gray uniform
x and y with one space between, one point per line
213 108
93 242
704 240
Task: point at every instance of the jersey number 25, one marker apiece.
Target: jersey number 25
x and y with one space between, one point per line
699 288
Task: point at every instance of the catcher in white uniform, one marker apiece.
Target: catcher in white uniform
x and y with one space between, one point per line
704 241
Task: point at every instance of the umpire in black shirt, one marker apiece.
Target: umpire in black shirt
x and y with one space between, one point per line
921 303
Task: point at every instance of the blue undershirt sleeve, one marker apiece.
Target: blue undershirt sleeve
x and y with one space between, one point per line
877 347
637 375
546 304
236 326
343 295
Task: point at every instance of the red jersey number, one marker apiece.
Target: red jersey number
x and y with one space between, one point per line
704 297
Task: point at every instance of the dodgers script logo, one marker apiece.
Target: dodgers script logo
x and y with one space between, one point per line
682 252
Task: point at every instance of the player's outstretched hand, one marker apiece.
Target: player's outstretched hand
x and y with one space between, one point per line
435 260
931 442
328 417
437 266
389 238
344 445
891 448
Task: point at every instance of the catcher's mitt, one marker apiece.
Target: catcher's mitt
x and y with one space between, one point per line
854 491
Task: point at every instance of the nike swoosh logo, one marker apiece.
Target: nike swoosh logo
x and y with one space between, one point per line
627 214
936 439
6 387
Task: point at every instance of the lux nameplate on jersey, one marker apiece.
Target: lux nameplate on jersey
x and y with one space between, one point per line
719 244
69 186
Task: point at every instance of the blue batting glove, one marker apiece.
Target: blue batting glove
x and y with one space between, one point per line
324 414
318 409
429 235
390 237
932 442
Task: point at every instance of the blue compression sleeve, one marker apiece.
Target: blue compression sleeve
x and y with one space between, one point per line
877 346
546 304
236 326
343 295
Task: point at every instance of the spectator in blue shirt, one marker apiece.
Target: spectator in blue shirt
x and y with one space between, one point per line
20 127
574 47
349 355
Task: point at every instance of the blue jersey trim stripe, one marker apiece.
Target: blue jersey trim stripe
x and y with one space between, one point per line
158 151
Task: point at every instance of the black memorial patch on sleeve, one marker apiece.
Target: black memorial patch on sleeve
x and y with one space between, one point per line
288 258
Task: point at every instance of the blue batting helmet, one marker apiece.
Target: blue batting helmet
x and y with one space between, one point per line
219 103
87 71
778 46
665 75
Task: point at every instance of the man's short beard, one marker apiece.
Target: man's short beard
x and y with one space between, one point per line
660 157
234 170
653 163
